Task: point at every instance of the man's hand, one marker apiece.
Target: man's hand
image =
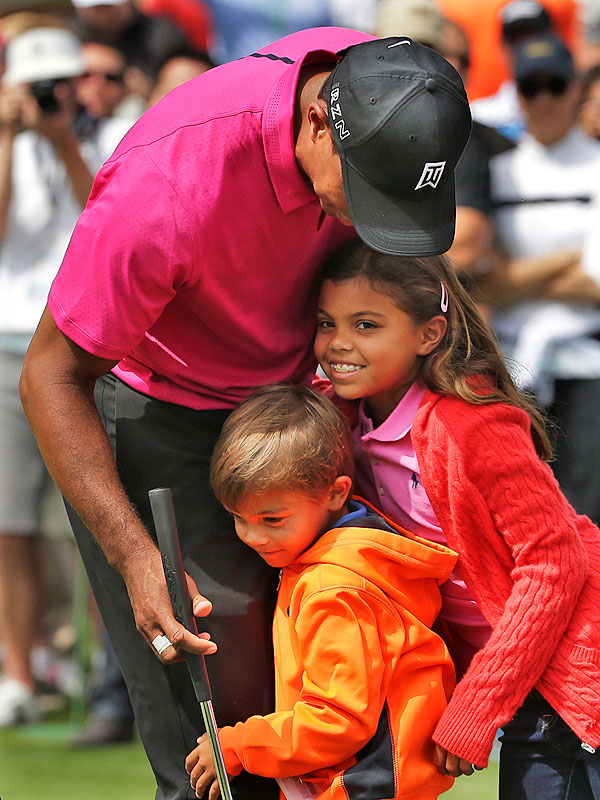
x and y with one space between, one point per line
54 127
200 766
147 589
572 286
11 102
450 764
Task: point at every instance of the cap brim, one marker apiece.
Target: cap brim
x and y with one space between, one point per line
550 69
32 72
423 227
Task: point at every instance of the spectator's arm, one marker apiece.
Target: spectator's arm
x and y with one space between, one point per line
471 249
572 286
6 152
67 149
57 392
10 118
57 128
510 281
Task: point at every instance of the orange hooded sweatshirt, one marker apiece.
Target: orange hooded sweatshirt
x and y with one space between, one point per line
361 680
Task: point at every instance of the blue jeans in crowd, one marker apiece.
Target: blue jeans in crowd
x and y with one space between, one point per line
542 759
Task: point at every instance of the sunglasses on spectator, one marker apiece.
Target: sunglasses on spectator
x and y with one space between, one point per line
461 58
111 77
464 60
533 86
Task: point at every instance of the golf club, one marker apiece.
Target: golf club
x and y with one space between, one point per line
163 513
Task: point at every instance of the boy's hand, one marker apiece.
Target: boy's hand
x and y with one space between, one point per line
200 766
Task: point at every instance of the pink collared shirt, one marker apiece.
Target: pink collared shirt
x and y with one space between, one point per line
388 475
194 262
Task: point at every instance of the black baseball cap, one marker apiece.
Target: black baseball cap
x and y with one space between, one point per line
543 55
524 17
400 120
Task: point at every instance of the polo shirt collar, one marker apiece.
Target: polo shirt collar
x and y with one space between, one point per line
399 422
290 187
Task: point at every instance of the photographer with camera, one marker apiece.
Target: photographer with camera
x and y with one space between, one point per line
49 153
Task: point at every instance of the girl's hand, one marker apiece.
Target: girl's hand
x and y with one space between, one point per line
449 764
200 766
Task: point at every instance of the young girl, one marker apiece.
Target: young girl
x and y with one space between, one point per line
449 448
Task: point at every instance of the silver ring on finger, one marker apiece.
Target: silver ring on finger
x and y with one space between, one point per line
160 643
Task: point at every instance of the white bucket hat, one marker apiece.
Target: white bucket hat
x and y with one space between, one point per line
40 54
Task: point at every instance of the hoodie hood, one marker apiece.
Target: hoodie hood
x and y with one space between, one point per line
406 567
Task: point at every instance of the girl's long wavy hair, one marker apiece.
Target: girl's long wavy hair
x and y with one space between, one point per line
467 362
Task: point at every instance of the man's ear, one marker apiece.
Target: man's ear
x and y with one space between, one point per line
339 491
318 120
432 333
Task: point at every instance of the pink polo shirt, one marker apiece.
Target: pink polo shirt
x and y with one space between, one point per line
193 264
388 475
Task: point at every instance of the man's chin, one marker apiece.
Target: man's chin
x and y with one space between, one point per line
340 218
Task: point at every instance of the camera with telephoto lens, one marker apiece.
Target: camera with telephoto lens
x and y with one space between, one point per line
43 91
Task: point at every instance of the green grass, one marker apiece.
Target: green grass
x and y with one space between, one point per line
479 786
36 762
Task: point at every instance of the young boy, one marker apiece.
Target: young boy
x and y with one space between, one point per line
361 680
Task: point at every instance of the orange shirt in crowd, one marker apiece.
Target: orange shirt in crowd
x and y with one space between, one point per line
192 17
482 26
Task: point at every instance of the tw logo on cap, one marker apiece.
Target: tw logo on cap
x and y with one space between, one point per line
431 175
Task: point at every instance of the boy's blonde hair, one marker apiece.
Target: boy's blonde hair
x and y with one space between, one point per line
282 437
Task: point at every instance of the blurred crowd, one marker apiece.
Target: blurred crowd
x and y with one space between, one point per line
76 75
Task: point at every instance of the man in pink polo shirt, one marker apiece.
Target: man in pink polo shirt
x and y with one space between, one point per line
189 280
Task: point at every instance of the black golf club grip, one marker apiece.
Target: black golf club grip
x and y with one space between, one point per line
163 513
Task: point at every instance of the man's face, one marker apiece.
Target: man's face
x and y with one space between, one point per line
101 88
176 71
327 181
108 20
320 163
455 49
549 106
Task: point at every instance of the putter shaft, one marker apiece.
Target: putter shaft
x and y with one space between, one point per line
210 724
163 513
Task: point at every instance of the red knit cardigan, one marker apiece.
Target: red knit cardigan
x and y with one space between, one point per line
531 563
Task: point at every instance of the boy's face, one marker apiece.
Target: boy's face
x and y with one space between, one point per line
280 525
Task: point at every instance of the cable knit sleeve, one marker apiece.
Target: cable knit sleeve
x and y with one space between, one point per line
520 554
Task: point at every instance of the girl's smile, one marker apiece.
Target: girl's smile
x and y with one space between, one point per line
368 347
345 369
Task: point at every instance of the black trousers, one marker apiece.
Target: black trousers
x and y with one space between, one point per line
575 413
160 444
